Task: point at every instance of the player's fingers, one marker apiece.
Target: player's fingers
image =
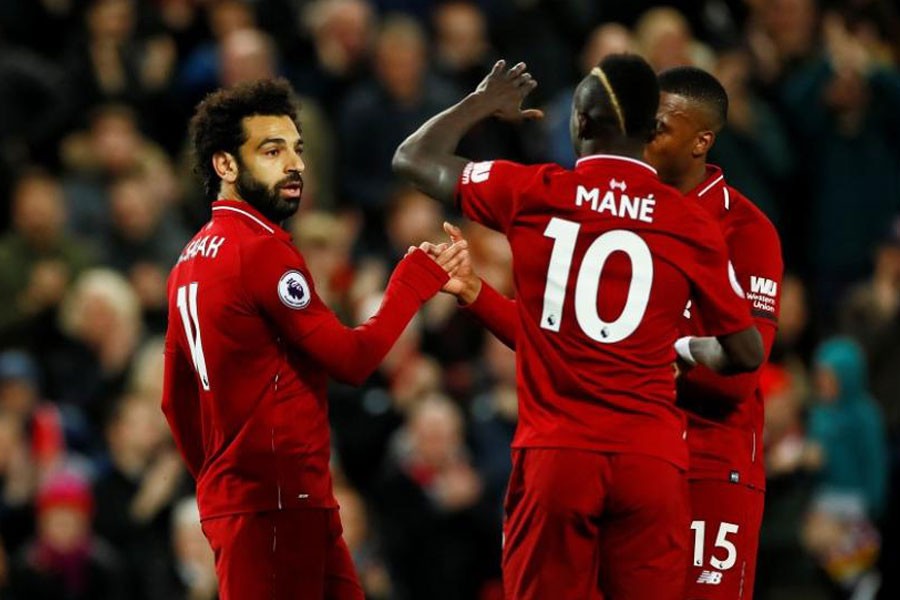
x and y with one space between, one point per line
453 231
457 261
532 114
517 70
410 250
498 67
451 253
523 79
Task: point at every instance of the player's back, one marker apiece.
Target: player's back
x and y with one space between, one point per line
605 259
259 420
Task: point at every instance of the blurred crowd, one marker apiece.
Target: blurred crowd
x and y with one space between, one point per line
99 198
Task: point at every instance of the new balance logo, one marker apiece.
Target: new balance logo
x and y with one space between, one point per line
614 183
710 578
761 285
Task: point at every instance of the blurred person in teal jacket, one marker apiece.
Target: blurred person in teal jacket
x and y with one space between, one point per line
847 431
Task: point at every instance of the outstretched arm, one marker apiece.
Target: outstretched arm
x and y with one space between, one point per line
426 158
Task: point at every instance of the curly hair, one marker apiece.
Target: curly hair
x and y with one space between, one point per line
217 124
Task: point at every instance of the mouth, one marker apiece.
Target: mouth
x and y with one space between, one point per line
291 190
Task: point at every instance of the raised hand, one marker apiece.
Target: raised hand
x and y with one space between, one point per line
505 89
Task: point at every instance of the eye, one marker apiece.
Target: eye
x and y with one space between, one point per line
273 152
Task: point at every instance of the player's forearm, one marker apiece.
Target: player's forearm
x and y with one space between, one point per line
497 313
744 352
707 384
351 355
427 157
182 416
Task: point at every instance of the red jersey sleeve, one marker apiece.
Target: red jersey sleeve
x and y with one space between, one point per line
181 402
717 294
497 313
278 282
487 192
755 251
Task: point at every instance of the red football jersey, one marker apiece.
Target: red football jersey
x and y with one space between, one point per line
605 258
725 414
249 348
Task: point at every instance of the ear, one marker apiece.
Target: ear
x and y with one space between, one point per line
703 143
581 124
226 166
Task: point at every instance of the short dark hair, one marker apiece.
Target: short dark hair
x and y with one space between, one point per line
697 86
621 94
217 124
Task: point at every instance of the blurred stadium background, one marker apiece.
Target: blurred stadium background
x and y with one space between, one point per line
98 199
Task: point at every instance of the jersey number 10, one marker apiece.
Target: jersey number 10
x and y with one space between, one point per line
565 234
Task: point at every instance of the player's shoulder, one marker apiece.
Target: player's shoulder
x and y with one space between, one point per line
748 221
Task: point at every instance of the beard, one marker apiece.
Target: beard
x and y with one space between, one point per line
268 200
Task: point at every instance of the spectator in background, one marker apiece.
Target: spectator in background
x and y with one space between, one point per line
194 567
665 39
843 106
462 50
142 231
342 33
364 547
847 429
42 422
871 315
35 111
110 63
439 536
380 114
795 340
112 147
200 72
784 570
38 258
136 492
610 38
143 241
101 322
753 146
462 55
495 412
66 559
325 240
18 482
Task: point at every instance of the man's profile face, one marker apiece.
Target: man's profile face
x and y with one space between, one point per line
677 130
270 166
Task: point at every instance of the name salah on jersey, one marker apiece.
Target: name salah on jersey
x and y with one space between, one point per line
206 246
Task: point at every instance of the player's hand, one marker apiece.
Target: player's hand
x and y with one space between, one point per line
448 256
505 89
465 284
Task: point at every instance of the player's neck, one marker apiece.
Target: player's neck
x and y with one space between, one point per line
620 147
691 178
228 191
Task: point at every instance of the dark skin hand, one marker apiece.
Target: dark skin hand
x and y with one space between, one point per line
427 159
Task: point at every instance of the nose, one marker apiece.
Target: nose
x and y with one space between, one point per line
295 163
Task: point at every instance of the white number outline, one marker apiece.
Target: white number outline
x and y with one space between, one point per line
187 306
725 529
565 235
